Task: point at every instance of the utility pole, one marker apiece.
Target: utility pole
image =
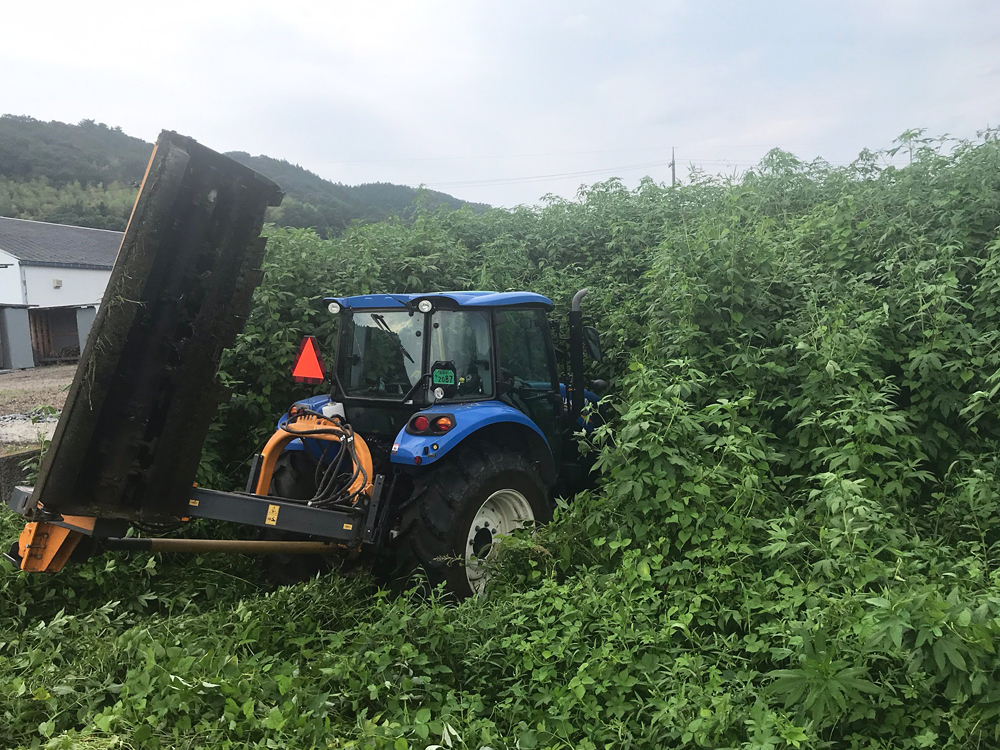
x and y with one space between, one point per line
673 167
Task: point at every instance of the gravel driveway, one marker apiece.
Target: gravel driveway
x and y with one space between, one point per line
22 394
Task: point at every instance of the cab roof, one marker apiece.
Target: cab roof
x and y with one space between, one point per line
462 299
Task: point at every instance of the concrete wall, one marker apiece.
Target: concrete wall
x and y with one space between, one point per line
80 286
11 292
84 322
15 339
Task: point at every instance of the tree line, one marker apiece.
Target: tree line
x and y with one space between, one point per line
88 174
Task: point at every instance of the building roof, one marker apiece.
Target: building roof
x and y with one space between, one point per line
38 243
463 299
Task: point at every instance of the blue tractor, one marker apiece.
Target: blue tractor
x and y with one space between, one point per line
451 408
447 423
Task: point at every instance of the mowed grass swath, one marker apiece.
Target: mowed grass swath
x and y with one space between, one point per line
792 544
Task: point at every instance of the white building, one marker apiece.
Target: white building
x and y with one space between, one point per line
56 276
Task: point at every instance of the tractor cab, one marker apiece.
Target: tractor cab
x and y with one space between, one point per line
403 360
397 354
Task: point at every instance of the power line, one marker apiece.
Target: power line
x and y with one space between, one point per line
546 177
660 149
498 181
493 156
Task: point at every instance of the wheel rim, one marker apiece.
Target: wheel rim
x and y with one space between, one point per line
503 513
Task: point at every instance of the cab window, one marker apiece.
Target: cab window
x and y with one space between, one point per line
524 353
385 353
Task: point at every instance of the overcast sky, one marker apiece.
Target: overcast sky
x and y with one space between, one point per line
503 102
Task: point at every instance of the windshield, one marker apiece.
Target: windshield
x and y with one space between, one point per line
382 353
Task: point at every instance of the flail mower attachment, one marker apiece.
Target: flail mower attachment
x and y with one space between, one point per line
129 439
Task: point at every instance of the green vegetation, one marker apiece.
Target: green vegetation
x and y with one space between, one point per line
89 174
793 542
91 206
89 153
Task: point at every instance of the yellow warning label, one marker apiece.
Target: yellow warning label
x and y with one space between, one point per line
194 502
272 515
348 526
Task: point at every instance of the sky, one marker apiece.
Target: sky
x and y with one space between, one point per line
505 102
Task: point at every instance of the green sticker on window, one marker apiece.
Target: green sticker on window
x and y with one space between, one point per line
443 377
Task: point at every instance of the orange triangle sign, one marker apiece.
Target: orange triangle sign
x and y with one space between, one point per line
308 367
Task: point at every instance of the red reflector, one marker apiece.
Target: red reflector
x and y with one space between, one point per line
443 424
420 424
417 460
308 367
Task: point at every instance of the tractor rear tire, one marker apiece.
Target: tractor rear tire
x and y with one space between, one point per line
440 523
293 479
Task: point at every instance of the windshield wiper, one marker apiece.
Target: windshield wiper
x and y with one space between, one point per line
380 320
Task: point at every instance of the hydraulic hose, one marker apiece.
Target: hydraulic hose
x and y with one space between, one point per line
332 486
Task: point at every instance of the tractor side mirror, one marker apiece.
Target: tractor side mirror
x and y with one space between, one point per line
592 342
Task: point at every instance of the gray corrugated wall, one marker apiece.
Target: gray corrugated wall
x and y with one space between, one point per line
84 322
15 339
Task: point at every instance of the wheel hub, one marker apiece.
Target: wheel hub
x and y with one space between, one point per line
481 542
503 513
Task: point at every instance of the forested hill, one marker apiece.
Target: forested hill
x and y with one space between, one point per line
88 175
311 201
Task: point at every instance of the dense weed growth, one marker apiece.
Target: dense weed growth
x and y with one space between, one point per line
793 543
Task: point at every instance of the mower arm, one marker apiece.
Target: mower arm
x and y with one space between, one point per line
50 538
